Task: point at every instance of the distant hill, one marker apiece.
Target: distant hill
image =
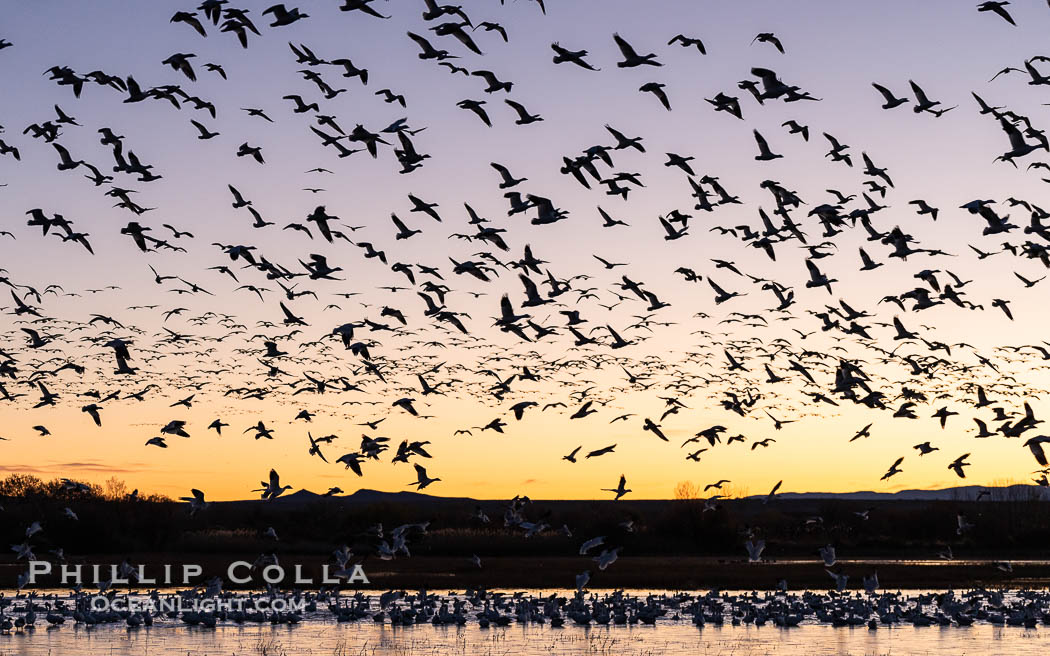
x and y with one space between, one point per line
360 497
374 496
961 493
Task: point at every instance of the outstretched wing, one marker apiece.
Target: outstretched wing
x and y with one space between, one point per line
625 48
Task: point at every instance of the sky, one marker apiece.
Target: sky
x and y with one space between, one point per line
834 51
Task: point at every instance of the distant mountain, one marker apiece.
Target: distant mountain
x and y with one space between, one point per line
961 493
299 496
376 496
360 497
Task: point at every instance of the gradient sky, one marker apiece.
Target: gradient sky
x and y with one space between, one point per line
834 50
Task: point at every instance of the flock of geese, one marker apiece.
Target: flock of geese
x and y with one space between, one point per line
485 609
580 338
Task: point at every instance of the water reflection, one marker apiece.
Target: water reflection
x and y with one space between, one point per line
348 639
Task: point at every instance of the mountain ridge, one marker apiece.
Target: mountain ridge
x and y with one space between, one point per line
955 493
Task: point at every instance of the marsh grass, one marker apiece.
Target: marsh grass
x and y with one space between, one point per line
504 643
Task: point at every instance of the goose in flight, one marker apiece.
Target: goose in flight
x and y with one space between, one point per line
688 42
20 305
563 55
475 106
582 580
754 550
601 452
253 111
189 18
864 432
196 501
657 90
893 470
187 402
422 480
583 411
405 403
840 580
887 95
180 62
764 153
778 423
362 6
770 38
283 16
524 117
924 208
353 462
291 319
572 455
871 583
1028 285
982 429
403 231
817 278
958 464
7 149
794 128
175 427
874 171
607 557
205 133
620 489
261 431
672 233
727 104
772 493
591 544
998 8
827 553
721 295
923 103
630 57
491 27
623 141
457 31
507 180
493 82
1004 306
925 448
254 151
315 447
1018 146
654 428
93 410
943 414
1035 445
674 159
272 489
66 161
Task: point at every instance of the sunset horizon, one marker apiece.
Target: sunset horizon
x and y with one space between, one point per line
628 297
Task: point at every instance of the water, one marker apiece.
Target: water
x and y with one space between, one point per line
673 633
352 639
